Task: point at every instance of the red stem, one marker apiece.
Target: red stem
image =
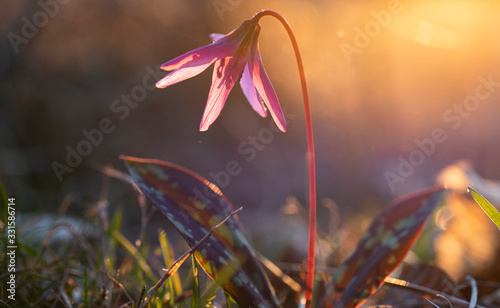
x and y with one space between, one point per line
310 155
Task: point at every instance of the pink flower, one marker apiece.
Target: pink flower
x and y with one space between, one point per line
235 54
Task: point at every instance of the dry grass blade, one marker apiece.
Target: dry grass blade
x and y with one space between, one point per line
122 176
141 198
430 302
102 204
491 298
61 292
446 299
112 172
182 259
81 243
139 300
473 286
405 284
120 285
275 270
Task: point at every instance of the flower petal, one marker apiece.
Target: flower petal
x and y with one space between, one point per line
251 93
223 46
205 55
216 36
226 73
181 74
263 84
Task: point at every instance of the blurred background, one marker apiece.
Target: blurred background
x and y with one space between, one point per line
383 76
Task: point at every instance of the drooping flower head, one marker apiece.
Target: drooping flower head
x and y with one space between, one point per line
236 56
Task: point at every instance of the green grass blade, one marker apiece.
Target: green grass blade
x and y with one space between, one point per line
136 254
183 258
116 222
159 304
5 304
85 289
487 207
228 299
109 242
196 301
174 283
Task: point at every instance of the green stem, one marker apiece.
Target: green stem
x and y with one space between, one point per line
310 155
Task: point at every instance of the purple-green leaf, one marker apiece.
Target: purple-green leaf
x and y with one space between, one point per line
382 248
194 205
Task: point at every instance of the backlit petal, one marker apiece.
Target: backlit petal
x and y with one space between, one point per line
251 93
181 74
263 84
205 55
226 73
223 46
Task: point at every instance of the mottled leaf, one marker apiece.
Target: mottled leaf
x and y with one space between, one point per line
487 207
382 248
194 205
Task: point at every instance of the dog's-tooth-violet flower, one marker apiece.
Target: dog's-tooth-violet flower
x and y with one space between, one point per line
235 54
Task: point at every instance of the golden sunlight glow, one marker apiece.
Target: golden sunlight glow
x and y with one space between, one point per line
455 176
447 24
424 32
401 52
374 66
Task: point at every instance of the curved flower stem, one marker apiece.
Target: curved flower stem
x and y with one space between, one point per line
310 154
